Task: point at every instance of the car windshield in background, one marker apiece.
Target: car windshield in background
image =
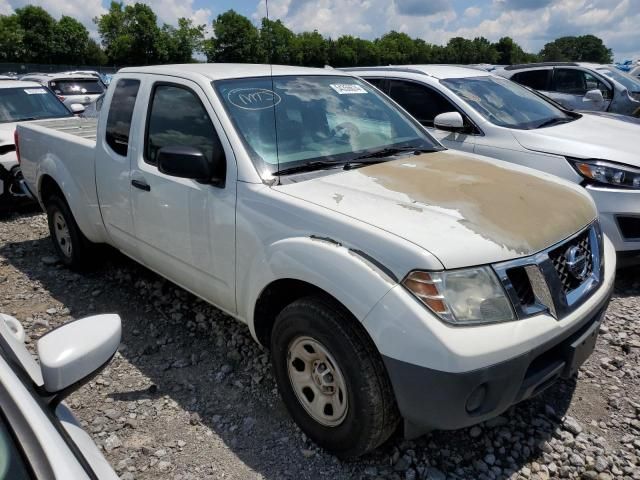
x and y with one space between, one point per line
628 81
506 103
289 121
31 103
77 87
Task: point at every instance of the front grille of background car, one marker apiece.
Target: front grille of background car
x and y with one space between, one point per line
557 256
629 227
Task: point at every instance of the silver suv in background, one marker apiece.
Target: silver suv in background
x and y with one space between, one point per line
71 88
580 86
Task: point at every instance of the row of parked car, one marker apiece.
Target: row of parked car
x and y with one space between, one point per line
417 245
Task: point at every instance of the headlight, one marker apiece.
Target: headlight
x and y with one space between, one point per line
607 173
462 297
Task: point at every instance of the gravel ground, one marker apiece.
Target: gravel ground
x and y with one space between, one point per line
191 396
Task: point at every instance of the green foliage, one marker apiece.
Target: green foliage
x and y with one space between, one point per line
38 34
586 48
130 35
236 40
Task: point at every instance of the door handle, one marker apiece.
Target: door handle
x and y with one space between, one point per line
141 184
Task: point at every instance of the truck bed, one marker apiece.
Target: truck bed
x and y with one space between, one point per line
86 128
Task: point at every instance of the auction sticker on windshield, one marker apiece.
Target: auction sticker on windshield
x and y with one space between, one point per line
35 91
347 88
253 98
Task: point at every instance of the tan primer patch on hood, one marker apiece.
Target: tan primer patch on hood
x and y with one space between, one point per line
522 212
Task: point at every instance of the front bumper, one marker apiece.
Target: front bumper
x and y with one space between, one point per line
431 399
614 204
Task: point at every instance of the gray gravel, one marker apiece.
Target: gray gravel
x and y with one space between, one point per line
190 396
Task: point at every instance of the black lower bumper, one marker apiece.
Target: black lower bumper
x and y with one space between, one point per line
435 400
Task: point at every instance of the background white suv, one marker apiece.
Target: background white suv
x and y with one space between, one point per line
580 86
475 111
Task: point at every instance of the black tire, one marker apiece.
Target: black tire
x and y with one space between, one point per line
76 251
372 414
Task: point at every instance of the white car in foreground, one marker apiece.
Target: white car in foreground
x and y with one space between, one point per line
478 112
39 436
390 277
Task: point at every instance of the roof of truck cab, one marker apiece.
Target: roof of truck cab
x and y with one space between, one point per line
436 71
220 71
19 84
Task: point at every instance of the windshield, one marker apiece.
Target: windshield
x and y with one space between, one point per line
629 82
506 103
77 87
32 103
288 121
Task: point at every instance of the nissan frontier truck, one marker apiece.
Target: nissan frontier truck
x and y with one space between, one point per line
396 283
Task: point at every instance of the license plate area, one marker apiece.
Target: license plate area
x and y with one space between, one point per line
577 352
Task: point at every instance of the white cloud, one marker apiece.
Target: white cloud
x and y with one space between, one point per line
472 12
5 8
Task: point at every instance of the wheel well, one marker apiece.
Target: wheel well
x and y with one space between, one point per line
48 188
274 298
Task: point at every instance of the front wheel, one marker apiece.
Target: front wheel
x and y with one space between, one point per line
331 377
73 248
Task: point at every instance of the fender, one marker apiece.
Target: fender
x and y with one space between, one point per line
81 198
354 279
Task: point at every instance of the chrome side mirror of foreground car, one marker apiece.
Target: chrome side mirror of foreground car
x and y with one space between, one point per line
449 121
74 353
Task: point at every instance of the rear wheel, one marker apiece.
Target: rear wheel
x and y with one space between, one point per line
331 377
73 248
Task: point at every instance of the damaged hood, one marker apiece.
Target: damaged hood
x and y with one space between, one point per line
463 209
592 136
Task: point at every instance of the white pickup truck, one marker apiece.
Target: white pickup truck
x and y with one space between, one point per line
391 279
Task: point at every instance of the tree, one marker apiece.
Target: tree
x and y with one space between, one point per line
38 37
179 44
510 53
236 40
131 35
348 51
586 48
94 55
276 42
71 41
11 39
395 48
310 49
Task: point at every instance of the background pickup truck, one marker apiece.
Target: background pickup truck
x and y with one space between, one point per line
390 278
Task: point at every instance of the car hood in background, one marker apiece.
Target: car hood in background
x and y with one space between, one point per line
591 136
462 209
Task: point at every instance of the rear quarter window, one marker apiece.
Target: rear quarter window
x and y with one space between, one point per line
120 113
536 79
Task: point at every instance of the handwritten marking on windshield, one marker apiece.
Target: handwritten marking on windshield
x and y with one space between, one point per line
253 98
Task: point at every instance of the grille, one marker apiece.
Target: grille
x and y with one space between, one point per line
630 227
557 257
520 281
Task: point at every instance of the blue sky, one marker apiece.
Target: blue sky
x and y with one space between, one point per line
530 22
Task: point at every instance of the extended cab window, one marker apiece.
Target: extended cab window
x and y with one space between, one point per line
422 102
178 118
536 79
120 113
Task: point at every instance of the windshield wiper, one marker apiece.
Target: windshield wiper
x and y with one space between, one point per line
308 167
554 121
390 151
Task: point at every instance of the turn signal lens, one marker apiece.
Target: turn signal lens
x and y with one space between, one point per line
424 287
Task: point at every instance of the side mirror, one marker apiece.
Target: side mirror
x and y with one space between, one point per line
449 121
594 96
77 108
72 354
190 162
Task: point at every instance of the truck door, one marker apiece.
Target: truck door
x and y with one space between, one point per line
113 164
185 229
